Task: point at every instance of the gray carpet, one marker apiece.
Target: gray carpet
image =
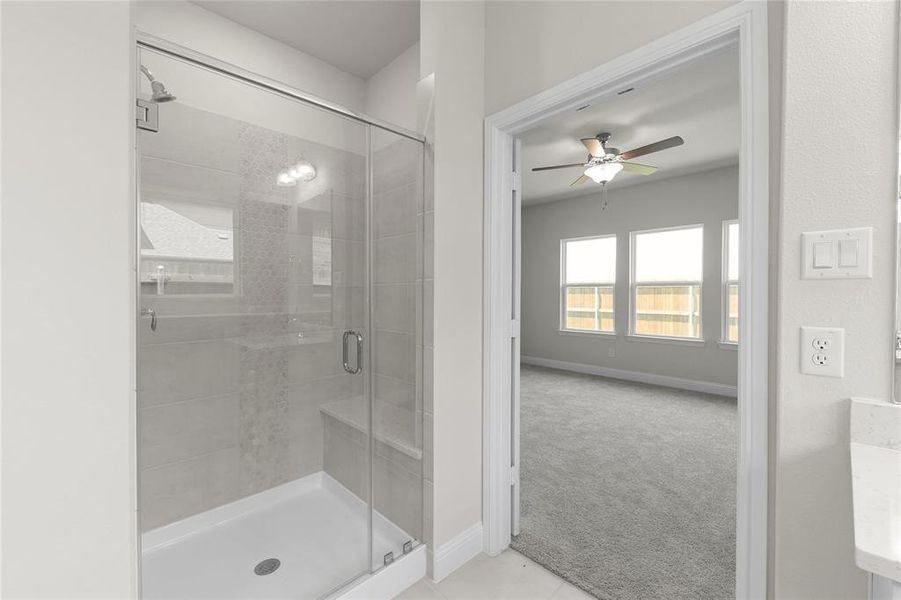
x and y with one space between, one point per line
628 490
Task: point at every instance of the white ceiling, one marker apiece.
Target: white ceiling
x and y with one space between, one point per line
357 36
699 102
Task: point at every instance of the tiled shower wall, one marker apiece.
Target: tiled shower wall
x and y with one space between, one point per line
230 386
397 283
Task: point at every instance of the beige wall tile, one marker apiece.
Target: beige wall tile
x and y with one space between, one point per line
396 211
173 372
178 490
183 430
394 355
394 307
395 259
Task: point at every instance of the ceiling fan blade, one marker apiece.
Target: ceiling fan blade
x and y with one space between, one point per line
579 181
594 146
655 147
630 167
559 167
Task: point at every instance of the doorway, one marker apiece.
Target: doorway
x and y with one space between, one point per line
743 26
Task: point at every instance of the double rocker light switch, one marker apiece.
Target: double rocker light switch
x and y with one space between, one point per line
837 254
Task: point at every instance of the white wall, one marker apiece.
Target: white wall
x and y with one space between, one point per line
709 197
840 82
68 304
532 46
391 93
189 25
452 47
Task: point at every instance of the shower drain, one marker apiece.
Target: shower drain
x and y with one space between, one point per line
268 566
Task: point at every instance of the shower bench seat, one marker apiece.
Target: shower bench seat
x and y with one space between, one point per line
397 457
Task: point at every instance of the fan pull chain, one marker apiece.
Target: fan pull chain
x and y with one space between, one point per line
604 195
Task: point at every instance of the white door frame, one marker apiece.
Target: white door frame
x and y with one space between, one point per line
746 24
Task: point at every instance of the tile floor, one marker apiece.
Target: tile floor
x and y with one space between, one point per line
508 576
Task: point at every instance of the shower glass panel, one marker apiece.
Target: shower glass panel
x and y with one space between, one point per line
397 334
279 342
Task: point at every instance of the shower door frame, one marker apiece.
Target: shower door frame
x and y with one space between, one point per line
152 42
146 41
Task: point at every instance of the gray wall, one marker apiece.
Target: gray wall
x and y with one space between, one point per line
709 198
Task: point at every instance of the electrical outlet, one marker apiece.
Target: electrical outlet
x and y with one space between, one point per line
823 351
821 343
611 352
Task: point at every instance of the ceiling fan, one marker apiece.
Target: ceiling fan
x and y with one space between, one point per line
604 163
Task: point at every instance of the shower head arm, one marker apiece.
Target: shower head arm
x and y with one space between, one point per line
148 74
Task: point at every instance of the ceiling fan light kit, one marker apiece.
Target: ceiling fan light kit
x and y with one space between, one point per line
603 172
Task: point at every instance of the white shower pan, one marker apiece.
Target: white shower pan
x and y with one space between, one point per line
311 525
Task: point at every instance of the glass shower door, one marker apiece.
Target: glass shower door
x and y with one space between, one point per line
398 334
253 358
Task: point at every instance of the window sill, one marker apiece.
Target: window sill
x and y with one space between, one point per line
692 342
728 345
586 332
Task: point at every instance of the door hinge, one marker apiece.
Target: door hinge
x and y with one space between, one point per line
517 181
514 475
147 115
514 328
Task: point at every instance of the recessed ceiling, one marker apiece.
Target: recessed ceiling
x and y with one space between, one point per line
357 36
698 101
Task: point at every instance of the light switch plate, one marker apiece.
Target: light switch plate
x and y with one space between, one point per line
823 351
837 254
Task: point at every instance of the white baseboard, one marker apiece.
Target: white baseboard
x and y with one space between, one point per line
455 553
664 380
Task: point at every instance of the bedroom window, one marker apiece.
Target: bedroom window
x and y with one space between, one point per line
588 274
730 281
667 275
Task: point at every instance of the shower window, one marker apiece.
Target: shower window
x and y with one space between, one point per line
186 248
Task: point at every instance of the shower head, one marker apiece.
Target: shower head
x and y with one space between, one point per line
159 93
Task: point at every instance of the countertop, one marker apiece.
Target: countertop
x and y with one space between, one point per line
876 483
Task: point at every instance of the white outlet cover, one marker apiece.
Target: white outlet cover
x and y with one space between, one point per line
823 351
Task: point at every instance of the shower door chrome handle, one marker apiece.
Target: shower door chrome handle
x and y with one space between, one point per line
347 367
149 312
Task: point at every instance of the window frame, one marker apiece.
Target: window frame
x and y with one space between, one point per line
724 288
633 285
237 280
564 286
